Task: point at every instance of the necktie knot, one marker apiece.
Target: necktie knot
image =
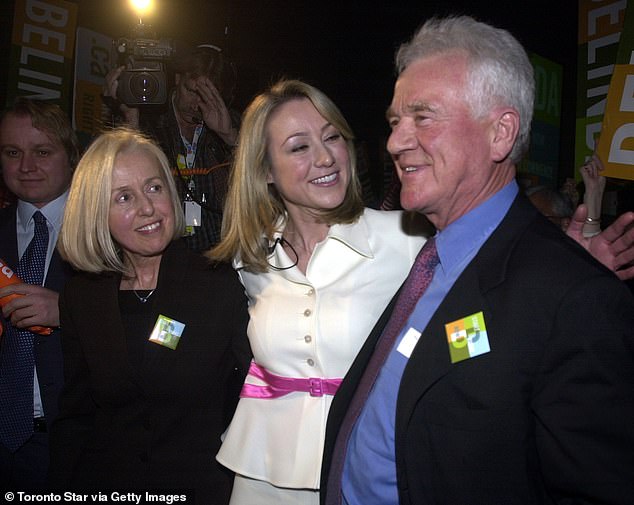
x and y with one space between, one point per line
419 277
428 256
39 220
32 264
40 230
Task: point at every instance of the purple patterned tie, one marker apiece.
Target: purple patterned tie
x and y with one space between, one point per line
17 360
415 285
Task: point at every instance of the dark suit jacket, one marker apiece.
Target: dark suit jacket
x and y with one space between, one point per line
157 425
545 416
48 349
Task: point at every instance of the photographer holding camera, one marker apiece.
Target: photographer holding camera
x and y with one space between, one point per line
197 133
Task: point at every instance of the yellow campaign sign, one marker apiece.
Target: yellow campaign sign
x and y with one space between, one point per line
616 144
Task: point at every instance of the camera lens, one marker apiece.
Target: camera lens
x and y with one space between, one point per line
144 86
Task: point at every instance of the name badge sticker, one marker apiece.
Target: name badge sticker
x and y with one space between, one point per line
467 337
167 332
409 341
192 217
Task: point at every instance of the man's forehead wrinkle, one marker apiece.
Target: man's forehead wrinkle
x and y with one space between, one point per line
408 108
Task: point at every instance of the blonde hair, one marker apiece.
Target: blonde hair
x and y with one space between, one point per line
85 240
253 209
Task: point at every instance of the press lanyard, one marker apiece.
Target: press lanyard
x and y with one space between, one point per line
193 217
191 148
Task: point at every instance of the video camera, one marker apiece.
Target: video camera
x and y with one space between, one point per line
144 81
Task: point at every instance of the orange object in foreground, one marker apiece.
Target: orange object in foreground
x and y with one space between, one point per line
8 277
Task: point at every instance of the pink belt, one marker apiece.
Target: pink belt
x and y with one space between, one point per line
279 386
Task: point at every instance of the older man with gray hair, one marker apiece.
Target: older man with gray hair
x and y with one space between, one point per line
503 371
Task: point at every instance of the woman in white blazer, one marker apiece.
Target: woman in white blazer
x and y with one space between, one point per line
318 270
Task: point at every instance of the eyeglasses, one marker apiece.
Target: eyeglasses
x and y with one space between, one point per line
282 241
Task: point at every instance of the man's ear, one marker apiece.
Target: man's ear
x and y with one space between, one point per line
506 127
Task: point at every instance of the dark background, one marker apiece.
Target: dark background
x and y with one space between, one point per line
344 47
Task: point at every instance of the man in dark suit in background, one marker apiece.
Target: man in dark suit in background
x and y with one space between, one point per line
38 151
511 381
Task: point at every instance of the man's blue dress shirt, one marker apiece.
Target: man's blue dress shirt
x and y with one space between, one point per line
369 474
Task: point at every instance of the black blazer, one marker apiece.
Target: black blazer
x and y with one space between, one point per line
48 349
544 417
157 425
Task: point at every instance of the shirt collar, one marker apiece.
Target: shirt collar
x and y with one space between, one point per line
53 211
470 231
355 235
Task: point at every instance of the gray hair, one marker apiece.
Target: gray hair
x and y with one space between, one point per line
499 69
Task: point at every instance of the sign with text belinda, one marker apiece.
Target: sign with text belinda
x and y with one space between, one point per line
42 45
616 143
601 24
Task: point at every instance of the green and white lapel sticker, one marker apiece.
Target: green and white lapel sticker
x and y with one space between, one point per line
467 337
167 332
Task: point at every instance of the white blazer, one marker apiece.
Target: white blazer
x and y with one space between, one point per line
313 326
